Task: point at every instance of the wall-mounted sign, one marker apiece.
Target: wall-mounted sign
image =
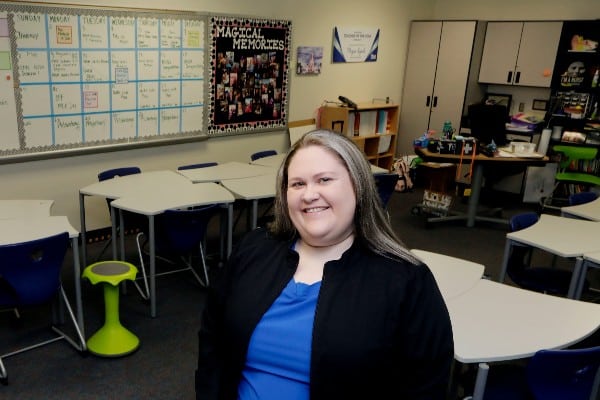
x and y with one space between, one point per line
355 44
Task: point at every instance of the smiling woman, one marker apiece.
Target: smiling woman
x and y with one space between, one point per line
287 316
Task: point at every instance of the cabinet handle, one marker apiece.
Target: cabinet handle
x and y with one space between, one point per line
428 101
435 101
509 79
517 77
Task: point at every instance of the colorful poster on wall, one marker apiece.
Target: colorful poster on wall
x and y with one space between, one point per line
249 61
355 44
309 60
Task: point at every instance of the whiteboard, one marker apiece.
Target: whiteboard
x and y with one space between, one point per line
80 78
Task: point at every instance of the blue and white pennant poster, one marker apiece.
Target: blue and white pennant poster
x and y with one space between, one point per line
355 44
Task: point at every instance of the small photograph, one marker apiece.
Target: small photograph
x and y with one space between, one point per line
309 61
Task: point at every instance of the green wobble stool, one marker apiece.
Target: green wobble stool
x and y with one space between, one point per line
112 339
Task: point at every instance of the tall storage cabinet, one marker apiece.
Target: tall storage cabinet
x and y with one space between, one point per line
376 128
435 80
520 53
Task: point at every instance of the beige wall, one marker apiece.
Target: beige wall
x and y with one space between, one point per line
312 25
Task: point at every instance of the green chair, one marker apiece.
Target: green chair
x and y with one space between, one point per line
575 167
112 339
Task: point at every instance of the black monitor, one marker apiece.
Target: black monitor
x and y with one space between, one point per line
488 122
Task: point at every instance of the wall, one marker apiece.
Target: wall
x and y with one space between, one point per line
312 25
313 22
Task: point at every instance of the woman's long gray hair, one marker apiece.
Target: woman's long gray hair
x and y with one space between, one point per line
371 221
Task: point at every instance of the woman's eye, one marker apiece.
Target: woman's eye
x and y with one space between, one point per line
324 180
296 184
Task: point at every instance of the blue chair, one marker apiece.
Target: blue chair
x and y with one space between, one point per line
386 183
582 198
261 154
549 375
548 280
180 235
30 276
194 166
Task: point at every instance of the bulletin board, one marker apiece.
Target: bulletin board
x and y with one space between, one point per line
249 60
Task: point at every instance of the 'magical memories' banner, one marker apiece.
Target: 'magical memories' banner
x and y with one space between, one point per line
249 61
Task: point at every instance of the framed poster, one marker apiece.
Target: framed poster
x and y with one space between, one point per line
249 66
310 60
355 44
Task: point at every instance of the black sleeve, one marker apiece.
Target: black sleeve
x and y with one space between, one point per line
429 343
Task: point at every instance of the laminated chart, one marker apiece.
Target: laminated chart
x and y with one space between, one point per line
94 77
8 108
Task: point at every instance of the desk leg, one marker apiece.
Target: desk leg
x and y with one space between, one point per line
77 278
113 224
226 236
152 266
504 267
575 278
229 228
476 183
82 228
482 373
254 214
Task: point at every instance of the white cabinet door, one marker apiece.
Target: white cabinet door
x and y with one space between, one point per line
454 58
537 53
417 94
500 51
519 53
435 78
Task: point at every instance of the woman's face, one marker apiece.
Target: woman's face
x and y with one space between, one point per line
320 195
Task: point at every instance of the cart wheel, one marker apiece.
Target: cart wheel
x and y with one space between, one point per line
416 210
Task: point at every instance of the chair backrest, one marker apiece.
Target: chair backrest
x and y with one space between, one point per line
194 166
261 154
181 231
520 255
523 220
122 171
30 271
386 183
564 374
582 198
573 154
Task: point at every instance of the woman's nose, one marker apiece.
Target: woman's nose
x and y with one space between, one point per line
311 193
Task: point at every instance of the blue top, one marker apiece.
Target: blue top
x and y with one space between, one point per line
278 359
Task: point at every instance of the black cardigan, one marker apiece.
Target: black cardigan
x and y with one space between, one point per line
381 327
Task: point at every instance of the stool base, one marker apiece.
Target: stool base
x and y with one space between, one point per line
113 341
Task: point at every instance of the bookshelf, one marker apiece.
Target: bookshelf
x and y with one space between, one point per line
372 126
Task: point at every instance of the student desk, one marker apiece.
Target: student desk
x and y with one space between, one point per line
480 161
26 228
273 161
146 184
497 322
25 208
590 211
276 160
564 237
252 189
225 171
454 276
180 195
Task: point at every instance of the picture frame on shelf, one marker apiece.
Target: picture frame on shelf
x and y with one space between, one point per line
499 98
540 105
